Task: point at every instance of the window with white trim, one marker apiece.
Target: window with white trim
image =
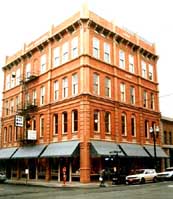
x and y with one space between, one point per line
152 104
144 69
5 135
56 57
74 49
56 90
106 52
146 126
96 121
122 92
12 106
133 126
150 72
65 87
28 70
74 84
107 87
41 126
96 48
65 52
42 95
123 124
145 100
64 122
96 84
34 97
8 83
6 108
132 95
107 122
10 134
122 59
55 124
43 63
74 121
13 79
17 103
18 77
131 64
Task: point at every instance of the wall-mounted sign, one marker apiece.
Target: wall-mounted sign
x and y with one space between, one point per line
32 135
19 120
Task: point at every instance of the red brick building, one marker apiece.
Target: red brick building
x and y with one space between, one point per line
82 90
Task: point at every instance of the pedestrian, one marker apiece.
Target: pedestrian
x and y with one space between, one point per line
64 175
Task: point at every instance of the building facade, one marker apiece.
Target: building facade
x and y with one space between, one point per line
85 91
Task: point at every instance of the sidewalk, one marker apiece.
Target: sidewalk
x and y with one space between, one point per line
53 183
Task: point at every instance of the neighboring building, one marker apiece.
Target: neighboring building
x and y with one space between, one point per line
85 90
167 139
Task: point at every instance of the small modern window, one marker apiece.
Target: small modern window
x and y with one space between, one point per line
55 124
132 95
107 87
65 87
42 96
146 129
41 126
64 122
74 50
96 84
65 52
74 121
56 90
150 72
107 122
152 101
144 69
133 126
123 125
96 121
122 59
34 97
56 57
122 92
131 64
145 99
18 77
43 63
74 84
28 71
106 52
96 48
10 134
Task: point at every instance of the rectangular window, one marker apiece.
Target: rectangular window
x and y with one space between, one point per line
96 50
55 126
133 126
122 92
43 64
123 125
65 87
96 84
8 82
150 72
144 69
107 87
10 134
17 103
74 50
34 97
146 129
122 59
56 90
64 122
170 138
5 135
132 95
131 64
65 49
42 96
107 122
12 79
56 57
74 84
106 52
12 106
41 126
18 77
6 108
96 121
152 101
74 121
28 71
145 99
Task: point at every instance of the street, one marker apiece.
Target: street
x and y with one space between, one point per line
149 191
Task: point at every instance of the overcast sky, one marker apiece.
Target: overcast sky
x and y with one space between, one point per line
22 21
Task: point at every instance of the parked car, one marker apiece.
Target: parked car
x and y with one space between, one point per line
3 177
166 175
141 176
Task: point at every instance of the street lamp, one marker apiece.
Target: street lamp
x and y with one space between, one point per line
154 132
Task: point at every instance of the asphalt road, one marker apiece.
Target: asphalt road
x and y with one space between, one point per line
161 190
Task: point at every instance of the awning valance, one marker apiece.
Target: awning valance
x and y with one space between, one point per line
65 149
105 148
6 153
159 151
133 150
29 151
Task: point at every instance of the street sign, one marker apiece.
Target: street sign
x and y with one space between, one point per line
19 120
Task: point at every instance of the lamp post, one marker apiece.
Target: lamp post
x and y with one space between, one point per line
154 132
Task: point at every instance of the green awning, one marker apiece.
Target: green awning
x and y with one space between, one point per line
29 151
65 149
6 153
134 150
159 151
105 148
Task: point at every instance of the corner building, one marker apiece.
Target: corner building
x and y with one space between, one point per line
83 92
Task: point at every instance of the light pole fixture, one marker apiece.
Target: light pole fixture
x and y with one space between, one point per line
154 132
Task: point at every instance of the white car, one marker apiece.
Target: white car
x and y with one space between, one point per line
166 175
141 176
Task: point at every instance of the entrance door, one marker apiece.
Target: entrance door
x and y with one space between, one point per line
32 168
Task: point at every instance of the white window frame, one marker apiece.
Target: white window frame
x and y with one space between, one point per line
28 71
56 56
121 59
122 92
144 69
96 48
152 98
43 63
150 73
145 99
107 131
55 124
74 84
73 121
65 52
132 95
18 77
56 90
97 120
8 83
74 47
134 120
131 64
96 84
42 95
41 126
123 115
65 87
106 52
63 122
107 87
34 97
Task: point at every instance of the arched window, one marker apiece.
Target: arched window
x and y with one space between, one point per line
123 124
5 134
133 126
